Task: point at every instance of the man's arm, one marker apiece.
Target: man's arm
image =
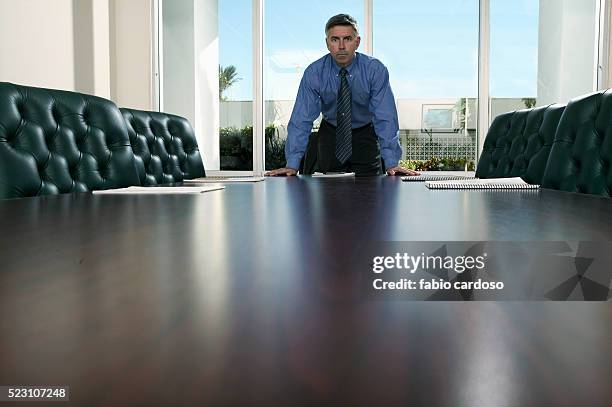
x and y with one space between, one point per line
386 124
306 109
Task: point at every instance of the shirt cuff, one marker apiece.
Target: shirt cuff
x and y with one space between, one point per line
390 162
294 162
391 157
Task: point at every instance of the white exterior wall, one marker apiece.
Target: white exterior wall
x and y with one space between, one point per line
238 114
503 105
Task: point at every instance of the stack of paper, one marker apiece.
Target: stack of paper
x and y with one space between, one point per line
205 180
490 183
439 176
333 174
160 190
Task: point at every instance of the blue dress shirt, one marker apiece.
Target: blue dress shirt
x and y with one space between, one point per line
372 102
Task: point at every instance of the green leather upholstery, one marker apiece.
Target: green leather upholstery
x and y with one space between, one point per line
532 150
518 144
581 153
165 147
54 141
502 131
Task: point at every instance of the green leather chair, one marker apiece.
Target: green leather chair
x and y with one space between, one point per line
518 144
581 153
54 141
502 131
164 145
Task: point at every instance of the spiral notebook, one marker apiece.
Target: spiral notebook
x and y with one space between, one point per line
435 177
490 183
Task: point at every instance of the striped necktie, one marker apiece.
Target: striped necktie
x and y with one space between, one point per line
344 147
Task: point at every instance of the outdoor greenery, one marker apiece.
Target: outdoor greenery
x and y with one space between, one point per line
275 149
440 164
461 109
529 102
236 148
227 77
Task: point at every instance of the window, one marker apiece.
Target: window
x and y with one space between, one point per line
431 51
207 76
542 52
235 85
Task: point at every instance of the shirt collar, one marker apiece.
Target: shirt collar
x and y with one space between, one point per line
349 68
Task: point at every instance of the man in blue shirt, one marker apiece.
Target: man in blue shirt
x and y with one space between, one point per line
353 93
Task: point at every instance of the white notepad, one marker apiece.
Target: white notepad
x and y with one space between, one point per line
436 177
490 183
159 190
333 174
206 180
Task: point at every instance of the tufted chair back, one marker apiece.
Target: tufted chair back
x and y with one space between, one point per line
518 144
54 141
581 156
165 147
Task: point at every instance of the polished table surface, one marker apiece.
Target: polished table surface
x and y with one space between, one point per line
242 296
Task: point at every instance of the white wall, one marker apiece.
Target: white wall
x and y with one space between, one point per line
178 67
206 51
566 47
131 68
90 27
36 43
99 47
190 70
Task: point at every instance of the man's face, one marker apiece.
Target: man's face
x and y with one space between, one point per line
342 42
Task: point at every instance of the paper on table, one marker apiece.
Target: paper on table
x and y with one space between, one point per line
206 180
160 190
484 183
333 174
439 176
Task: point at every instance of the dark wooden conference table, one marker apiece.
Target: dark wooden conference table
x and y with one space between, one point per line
242 296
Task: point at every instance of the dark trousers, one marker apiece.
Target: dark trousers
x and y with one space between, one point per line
321 152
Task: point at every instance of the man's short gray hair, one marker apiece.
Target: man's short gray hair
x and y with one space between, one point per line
341 19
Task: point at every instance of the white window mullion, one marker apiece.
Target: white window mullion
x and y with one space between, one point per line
157 56
368 17
258 86
606 45
602 77
483 73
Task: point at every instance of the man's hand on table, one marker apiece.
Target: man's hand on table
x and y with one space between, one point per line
281 172
401 171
